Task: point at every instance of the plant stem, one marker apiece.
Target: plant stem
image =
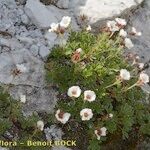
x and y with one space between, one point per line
135 84
111 35
116 82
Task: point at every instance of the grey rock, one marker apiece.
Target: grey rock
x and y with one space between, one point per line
35 74
28 40
53 133
13 43
9 135
24 19
2 148
44 51
21 31
58 13
139 1
39 14
140 21
100 10
35 33
63 4
50 37
21 2
34 49
20 11
38 99
25 39
4 42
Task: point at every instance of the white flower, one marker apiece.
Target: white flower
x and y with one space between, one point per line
79 50
74 91
141 65
100 132
65 22
88 28
61 116
112 25
21 68
86 114
124 74
89 96
121 21
110 115
137 58
123 33
144 78
54 27
22 98
40 125
128 43
134 31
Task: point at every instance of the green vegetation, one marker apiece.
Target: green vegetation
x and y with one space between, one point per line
18 126
95 68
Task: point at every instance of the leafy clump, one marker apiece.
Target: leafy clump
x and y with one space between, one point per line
93 63
14 126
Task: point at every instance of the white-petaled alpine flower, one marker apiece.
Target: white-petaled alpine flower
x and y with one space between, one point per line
86 114
40 125
65 22
123 33
54 27
121 22
21 68
100 132
137 57
62 116
89 96
128 43
124 74
112 25
22 98
141 65
134 32
79 50
110 115
88 28
74 91
143 78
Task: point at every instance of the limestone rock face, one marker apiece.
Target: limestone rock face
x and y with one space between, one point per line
31 83
39 14
64 4
97 10
140 20
34 74
2 148
38 99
